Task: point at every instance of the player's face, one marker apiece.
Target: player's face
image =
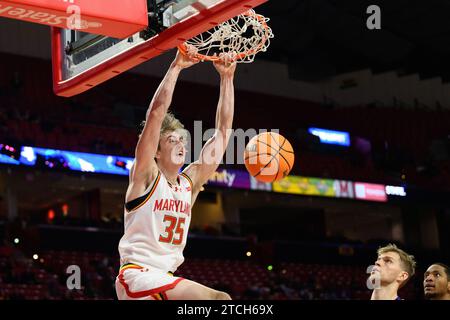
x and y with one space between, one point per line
388 268
435 282
173 148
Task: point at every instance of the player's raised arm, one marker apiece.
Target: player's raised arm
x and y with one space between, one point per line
214 149
145 166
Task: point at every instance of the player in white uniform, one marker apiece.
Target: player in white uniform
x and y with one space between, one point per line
159 199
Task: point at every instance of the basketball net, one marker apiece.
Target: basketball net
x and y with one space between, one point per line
245 35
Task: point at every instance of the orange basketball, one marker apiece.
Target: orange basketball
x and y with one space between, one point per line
269 157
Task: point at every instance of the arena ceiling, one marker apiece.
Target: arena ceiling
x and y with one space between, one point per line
319 39
322 38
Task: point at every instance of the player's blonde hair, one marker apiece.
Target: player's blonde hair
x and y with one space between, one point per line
407 261
169 124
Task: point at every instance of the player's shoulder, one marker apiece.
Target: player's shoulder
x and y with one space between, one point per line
188 179
139 191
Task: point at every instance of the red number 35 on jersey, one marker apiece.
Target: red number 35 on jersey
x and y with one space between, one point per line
174 230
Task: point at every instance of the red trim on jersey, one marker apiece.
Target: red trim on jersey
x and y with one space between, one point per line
188 179
145 293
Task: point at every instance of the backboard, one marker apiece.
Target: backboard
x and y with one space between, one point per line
104 17
83 60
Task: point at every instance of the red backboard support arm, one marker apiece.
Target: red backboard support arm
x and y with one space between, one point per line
166 40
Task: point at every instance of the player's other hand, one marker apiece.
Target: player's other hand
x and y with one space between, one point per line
186 60
226 64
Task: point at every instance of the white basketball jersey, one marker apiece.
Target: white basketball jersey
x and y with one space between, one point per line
157 224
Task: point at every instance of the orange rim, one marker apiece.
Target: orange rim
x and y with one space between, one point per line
183 49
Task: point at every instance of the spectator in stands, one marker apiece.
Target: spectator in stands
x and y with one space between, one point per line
54 289
436 282
393 268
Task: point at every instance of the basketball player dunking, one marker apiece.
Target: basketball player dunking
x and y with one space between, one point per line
159 199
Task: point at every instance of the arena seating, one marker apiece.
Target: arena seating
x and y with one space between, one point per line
32 114
45 278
